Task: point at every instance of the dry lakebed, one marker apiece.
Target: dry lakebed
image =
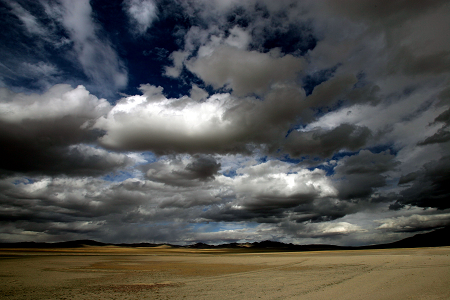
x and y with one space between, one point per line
111 272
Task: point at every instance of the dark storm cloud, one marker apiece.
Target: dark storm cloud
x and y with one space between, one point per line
444 96
435 63
325 209
59 206
429 186
306 221
272 208
78 160
444 117
392 12
327 93
178 172
324 143
357 176
203 167
66 199
44 134
272 191
442 135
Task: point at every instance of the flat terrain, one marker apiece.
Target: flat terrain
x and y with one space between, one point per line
164 273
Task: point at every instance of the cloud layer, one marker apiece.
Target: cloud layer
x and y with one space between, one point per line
223 121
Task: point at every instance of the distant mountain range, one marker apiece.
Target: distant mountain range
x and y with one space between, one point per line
436 238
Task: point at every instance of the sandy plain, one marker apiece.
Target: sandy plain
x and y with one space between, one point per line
165 273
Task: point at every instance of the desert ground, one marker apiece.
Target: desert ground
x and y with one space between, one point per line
170 273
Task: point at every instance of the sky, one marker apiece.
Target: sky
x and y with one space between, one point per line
221 121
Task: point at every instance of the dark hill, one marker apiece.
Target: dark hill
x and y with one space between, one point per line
436 238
